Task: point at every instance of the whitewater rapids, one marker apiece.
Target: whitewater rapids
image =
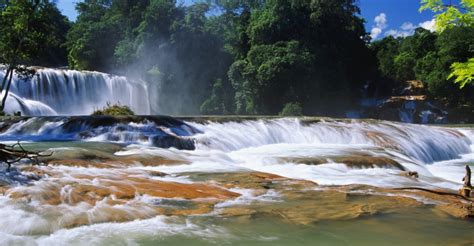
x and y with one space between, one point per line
291 148
287 147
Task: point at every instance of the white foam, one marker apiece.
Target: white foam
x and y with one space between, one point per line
248 196
423 143
70 92
129 233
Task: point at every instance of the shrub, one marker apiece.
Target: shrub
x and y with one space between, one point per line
292 109
114 109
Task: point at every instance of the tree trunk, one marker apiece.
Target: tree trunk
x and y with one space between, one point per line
467 187
6 90
5 78
467 178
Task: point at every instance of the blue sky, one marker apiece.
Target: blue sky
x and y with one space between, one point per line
383 17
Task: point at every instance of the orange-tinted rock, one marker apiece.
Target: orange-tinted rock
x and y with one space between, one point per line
117 162
149 161
82 163
445 201
382 140
3 189
122 188
352 160
309 206
369 162
253 180
40 171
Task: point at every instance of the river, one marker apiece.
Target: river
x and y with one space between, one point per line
148 180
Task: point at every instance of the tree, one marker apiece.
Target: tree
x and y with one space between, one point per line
92 39
385 51
25 27
447 17
176 49
304 51
463 72
220 100
291 109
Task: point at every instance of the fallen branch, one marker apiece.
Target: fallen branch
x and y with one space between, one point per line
10 154
443 193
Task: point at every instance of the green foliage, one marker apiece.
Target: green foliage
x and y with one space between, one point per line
464 72
386 50
218 102
251 58
246 56
398 58
273 74
404 64
92 39
428 57
291 109
29 29
114 109
448 17
313 63
175 48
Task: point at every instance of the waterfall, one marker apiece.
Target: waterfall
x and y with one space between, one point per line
69 92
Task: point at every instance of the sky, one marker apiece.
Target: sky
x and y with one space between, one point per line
383 17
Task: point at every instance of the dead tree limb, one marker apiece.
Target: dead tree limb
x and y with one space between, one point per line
467 187
10 154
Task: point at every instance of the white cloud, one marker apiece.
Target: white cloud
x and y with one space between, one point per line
408 28
405 30
429 25
380 23
381 20
375 32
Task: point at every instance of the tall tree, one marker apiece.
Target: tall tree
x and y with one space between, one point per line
301 51
25 27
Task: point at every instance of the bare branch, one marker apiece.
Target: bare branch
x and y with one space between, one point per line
10 154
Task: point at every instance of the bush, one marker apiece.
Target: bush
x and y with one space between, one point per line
114 109
292 109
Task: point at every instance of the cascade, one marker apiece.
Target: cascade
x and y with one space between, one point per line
424 144
70 92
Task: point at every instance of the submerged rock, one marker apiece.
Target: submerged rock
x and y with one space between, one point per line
160 131
352 161
168 141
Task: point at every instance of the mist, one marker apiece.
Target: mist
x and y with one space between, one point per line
172 50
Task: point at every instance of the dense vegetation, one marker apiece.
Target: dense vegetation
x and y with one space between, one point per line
246 58
254 56
427 57
31 32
